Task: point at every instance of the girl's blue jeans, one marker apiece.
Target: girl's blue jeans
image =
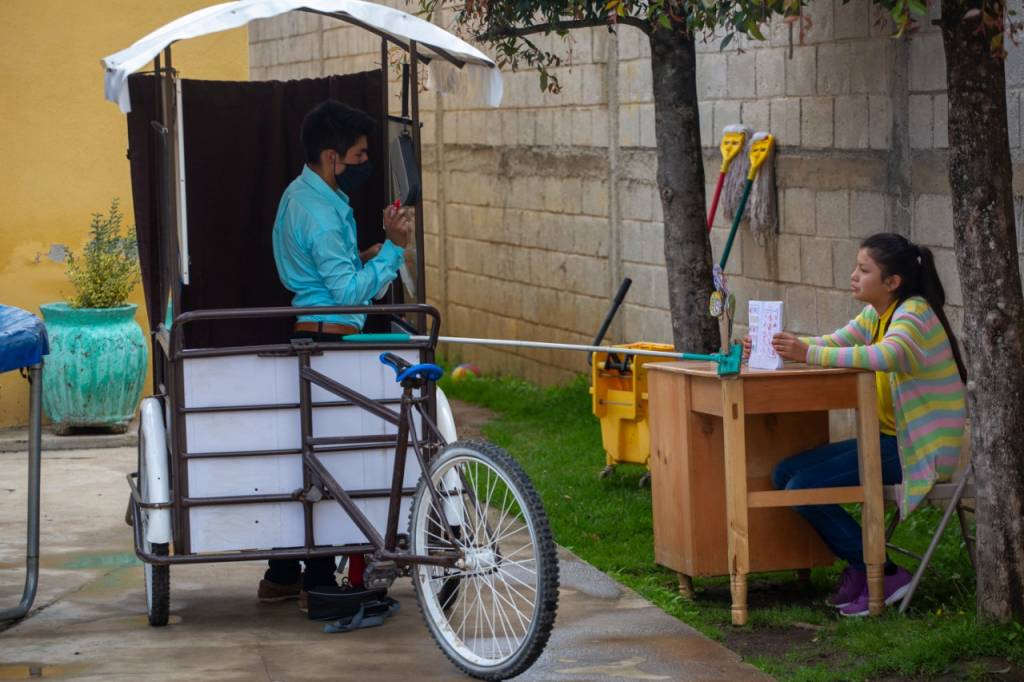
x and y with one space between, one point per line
830 466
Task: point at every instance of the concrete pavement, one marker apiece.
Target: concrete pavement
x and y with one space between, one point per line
89 618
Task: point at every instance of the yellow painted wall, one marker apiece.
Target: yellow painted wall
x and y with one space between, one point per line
62 145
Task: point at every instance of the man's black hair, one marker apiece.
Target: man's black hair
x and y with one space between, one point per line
333 125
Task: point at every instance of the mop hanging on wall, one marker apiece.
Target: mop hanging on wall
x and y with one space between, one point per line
736 178
763 214
761 146
733 144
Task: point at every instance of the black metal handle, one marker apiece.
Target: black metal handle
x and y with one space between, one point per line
616 302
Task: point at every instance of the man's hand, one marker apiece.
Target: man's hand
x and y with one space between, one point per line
398 225
370 253
789 347
746 348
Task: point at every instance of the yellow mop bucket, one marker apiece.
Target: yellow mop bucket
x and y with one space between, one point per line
619 399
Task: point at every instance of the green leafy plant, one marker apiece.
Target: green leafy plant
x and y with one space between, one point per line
108 269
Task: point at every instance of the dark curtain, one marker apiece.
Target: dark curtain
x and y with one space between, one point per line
242 149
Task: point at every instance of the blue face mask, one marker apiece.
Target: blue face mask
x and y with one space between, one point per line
353 177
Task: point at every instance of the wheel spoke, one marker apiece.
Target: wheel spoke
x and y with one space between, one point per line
511 554
501 520
510 534
507 627
508 600
519 565
524 584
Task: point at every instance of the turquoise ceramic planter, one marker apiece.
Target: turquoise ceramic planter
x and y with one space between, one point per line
96 367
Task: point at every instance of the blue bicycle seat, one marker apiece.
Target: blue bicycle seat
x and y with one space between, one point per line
404 370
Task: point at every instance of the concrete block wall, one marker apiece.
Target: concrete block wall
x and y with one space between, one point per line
536 210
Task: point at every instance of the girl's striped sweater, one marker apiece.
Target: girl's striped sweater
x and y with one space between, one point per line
927 393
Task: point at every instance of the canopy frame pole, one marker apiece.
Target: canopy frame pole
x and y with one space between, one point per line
169 237
385 132
420 321
414 94
159 375
180 197
169 184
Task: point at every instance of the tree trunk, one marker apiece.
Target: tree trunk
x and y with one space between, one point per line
681 186
980 178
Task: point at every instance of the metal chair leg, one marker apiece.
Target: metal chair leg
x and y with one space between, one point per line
969 540
34 461
891 528
904 552
954 503
890 531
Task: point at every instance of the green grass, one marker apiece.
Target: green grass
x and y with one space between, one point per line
607 522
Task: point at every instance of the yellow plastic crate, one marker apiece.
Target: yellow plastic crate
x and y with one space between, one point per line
619 401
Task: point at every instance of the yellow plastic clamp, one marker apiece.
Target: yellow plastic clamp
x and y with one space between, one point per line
731 145
759 150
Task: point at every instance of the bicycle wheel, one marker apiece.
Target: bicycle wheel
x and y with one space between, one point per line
493 613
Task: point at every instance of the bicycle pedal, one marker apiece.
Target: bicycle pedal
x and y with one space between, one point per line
379 575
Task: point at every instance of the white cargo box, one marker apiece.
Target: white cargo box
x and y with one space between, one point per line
250 380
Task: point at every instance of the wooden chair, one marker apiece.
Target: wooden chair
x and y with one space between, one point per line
959 495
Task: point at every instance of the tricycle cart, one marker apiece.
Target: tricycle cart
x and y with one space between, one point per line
258 446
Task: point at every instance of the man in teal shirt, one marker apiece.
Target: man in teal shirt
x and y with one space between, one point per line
314 236
318 259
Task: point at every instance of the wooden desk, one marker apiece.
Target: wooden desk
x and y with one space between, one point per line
750 422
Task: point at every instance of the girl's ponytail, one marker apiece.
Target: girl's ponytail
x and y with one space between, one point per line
915 265
930 288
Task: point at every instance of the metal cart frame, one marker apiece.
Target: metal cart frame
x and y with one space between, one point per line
173 393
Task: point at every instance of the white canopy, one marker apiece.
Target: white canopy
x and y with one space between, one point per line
482 74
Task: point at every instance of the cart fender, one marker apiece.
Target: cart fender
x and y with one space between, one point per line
156 522
446 425
445 418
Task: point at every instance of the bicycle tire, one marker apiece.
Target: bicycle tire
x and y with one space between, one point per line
488 564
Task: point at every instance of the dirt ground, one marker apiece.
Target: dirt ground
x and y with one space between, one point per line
470 419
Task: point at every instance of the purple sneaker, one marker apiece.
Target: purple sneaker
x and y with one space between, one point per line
852 582
896 585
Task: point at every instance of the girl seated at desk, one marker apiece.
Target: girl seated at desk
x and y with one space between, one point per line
903 334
